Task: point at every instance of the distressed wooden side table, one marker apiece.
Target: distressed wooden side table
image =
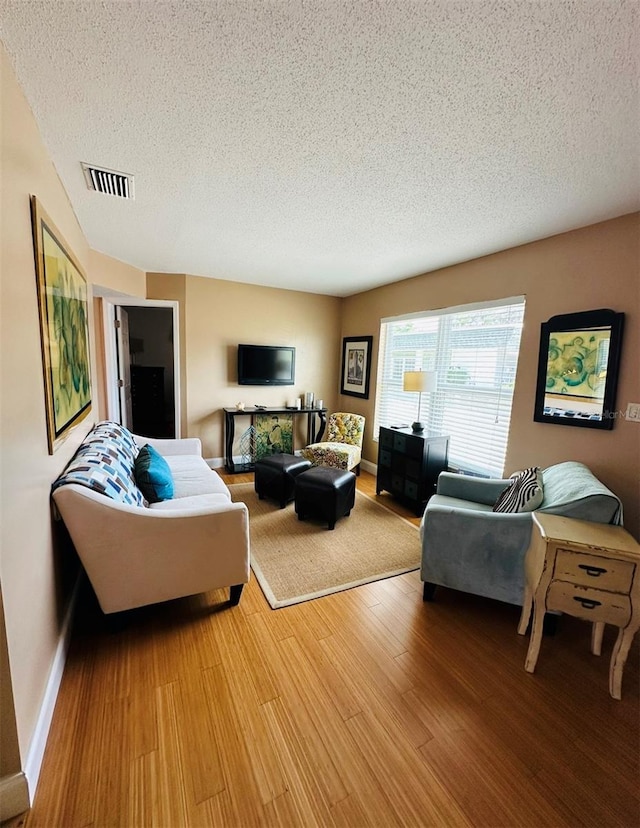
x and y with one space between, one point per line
587 570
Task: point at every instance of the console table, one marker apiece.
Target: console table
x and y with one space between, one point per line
588 570
409 463
316 423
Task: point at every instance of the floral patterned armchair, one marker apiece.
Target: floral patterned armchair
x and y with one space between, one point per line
343 449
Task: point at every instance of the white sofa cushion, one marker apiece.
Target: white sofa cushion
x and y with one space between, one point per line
191 504
192 476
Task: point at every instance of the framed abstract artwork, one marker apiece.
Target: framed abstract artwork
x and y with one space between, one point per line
62 305
578 367
356 366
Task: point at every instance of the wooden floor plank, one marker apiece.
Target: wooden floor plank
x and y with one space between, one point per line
488 789
368 682
239 664
325 671
294 737
241 801
196 714
142 805
414 793
173 784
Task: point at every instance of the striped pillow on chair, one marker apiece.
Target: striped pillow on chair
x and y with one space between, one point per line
523 495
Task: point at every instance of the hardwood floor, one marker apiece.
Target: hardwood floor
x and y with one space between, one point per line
364 708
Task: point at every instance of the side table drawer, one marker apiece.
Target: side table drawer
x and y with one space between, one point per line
593 571
589 604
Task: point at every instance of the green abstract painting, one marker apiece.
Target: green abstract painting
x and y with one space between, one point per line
62 300
577 363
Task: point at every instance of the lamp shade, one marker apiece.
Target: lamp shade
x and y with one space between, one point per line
420 381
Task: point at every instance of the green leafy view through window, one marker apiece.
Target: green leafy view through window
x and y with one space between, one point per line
474 351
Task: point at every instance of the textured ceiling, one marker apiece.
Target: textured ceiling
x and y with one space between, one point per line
333 145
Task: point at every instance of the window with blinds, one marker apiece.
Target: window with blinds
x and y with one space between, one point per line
474 351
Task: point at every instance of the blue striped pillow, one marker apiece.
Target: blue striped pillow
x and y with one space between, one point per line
523 495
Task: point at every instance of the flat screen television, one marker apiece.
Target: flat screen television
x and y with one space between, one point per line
266 365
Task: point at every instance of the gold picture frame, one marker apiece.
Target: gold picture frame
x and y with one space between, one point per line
64 330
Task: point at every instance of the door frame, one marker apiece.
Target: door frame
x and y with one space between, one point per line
123 338
109 304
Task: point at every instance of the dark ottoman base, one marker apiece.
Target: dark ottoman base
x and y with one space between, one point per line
275 476
325 492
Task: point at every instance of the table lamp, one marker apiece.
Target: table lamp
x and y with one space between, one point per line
419 381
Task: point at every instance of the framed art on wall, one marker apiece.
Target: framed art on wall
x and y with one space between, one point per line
356 366
62 305
578 368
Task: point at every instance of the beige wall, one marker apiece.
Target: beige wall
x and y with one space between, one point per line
218 315
9 748
117 276
35 587
33 608
594 267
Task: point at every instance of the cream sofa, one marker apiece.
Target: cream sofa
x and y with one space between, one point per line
137 553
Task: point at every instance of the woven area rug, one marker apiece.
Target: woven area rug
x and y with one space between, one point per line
295 561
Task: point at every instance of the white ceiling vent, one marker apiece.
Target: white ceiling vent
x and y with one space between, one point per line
109 182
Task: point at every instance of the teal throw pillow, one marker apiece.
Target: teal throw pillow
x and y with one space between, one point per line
153 475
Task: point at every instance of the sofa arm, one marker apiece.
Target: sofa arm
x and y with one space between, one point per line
135 556
477 552
476 489
188 445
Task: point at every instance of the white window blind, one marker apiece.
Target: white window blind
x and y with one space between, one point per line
474 351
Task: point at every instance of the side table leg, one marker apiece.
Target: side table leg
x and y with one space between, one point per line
317 437
597 631
536 638
229 427
618 659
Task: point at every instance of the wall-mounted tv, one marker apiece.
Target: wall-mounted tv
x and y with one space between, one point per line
266 365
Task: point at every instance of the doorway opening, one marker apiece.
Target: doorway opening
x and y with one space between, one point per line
151 369
142 373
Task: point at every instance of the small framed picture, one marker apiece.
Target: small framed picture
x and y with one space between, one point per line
356 366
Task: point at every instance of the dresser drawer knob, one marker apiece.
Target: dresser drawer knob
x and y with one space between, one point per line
593 571
587 603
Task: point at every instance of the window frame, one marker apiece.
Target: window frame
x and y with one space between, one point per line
486 457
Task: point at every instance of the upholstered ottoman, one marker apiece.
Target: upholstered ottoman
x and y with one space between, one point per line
275 476
325 492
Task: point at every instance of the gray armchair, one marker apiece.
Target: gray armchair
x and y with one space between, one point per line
467 546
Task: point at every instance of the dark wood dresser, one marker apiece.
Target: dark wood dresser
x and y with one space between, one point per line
409 463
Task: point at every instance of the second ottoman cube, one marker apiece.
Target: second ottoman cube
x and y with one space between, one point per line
275 476
325 492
